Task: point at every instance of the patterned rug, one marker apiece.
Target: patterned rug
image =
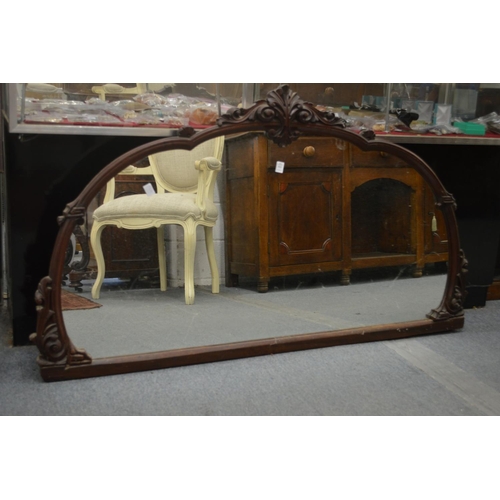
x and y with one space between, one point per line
72 301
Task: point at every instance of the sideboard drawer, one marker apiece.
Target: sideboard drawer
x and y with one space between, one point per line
374 159
307 152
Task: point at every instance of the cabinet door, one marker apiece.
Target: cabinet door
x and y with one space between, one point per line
305 217
382 218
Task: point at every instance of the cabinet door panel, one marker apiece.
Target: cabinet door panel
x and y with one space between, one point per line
382 218
305 217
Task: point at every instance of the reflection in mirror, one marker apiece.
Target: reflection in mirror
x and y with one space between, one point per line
341 239
133 321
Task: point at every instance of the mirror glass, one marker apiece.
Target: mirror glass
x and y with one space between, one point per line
346 239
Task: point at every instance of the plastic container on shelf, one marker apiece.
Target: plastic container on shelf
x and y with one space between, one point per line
471 128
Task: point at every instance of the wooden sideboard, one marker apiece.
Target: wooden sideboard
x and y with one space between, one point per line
329 210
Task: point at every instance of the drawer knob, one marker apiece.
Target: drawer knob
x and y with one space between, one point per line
383 154
309 151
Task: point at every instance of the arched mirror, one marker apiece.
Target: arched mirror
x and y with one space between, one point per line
321 237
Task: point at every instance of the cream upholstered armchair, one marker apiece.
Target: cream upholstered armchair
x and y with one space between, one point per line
185 182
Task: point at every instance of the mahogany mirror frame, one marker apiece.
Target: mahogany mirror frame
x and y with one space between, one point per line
284 117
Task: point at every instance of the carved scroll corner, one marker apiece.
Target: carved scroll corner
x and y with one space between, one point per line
73 211
464 263
454 310
47 337
369 135
454 307
446 199
55 349
187 132
43 293
78 356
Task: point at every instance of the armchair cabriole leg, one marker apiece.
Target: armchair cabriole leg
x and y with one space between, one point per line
162 258
95 241
209 241
189 253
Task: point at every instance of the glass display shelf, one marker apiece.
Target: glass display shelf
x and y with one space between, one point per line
434 113
138 109
425 113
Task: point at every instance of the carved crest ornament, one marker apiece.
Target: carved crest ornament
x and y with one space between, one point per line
284 117
286 109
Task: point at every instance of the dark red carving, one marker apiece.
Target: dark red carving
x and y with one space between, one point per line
284 110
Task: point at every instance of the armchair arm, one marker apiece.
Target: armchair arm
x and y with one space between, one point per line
208 168
110 191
